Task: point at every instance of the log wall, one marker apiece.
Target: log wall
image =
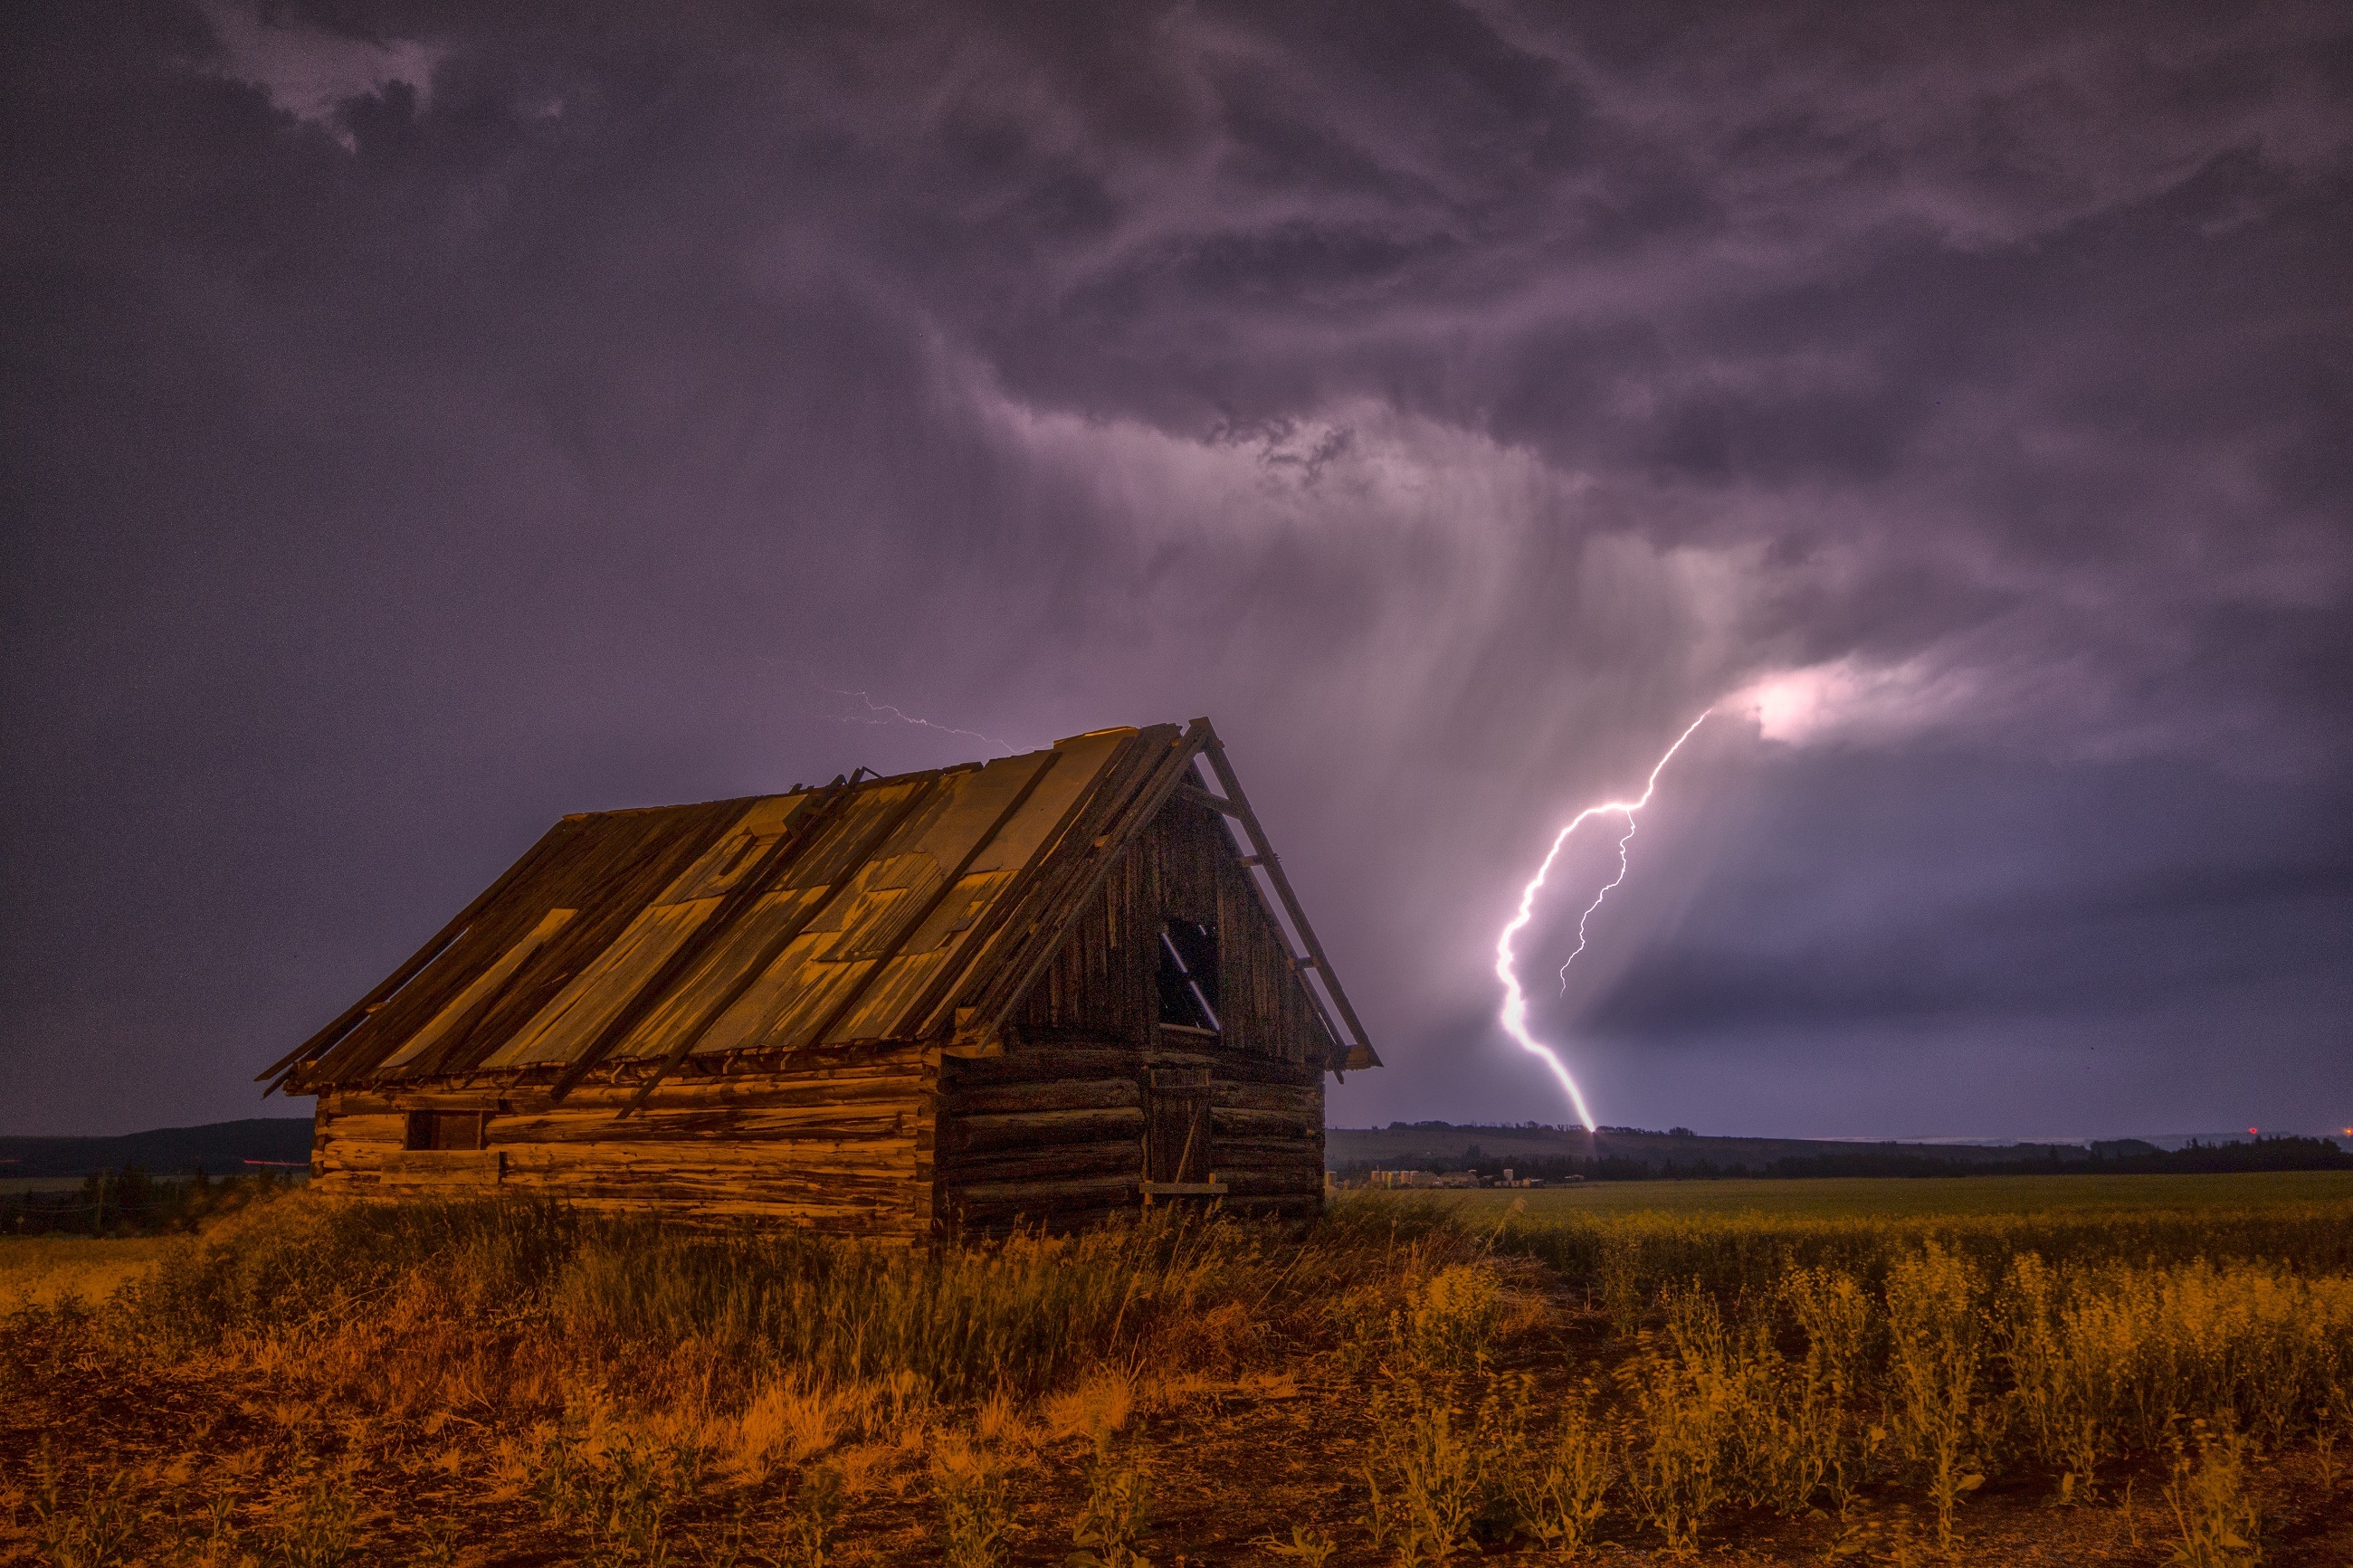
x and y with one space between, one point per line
841 1145
1054 1132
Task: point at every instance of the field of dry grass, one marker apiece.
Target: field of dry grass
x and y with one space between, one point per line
2162 1378
43 1270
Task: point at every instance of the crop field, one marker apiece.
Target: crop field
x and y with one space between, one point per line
1928 1195
1991 1370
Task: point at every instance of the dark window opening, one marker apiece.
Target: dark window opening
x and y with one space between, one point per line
445 1129
1189 976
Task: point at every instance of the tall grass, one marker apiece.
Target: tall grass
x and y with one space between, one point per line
615 1371
1723 1365
1797 1362
483 1302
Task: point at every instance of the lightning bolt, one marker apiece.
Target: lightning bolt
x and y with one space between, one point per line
1514 1016
885 713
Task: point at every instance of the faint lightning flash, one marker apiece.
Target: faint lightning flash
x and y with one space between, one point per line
884 713
1515 1002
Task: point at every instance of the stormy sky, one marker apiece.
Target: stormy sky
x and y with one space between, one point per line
419 422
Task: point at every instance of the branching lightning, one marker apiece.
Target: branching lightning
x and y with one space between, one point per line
1515 1016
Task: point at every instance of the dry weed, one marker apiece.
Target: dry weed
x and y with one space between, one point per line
1450 1319
790 1420
1427 1484
1117 1508
1676 1476
1933 1362
1561 1493
975 1521
812 1513
1308 1546
1093 1410
2220 1523
1776 1363
89 1526
317 1523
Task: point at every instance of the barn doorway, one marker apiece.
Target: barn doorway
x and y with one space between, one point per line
1178 1146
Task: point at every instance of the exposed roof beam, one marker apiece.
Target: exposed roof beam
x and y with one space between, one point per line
1267 862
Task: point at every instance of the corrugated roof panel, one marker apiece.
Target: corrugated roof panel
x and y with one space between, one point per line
599 993
889 997
1044 813
494 929
958 930
848 839
818 891
469 1004
816 989
595 998
868 920
625 862
959 833
601 866
958 911
802 986
718 975
741 851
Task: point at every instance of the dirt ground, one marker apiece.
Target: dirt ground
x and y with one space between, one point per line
197 1465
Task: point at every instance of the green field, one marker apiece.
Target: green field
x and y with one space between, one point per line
1916 1197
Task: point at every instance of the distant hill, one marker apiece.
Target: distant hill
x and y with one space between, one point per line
221 1147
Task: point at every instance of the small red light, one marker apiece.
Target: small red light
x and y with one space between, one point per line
2251 1131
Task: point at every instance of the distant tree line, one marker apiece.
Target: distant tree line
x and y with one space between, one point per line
2287 1153
130 1202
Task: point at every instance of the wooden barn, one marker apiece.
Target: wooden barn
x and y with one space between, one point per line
1038 988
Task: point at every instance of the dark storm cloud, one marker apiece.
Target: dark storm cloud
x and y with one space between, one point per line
2113 950
420 421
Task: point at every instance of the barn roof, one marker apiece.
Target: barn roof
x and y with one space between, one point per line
918 906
